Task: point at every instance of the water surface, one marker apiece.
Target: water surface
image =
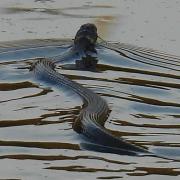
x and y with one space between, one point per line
141 87
37 140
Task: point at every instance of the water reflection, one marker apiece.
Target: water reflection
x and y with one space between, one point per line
104 25
65 12
36 120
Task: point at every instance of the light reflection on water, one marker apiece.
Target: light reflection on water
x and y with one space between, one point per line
36 137
36 120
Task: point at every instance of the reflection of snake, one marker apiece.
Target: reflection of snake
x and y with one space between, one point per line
95 112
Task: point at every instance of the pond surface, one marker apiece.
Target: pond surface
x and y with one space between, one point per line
141 87
36 120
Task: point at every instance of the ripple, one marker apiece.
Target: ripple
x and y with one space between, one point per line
15 86
140 85
44 145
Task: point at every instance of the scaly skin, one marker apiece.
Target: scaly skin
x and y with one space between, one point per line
90 122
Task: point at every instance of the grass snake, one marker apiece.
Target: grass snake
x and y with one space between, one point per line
95 110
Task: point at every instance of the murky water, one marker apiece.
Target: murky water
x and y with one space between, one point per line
36 137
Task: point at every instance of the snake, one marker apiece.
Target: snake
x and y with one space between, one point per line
95 111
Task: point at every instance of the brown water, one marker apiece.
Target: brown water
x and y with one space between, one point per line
36 137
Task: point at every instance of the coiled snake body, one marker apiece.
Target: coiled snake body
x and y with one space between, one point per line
95 111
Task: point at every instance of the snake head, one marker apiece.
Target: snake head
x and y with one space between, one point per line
86 37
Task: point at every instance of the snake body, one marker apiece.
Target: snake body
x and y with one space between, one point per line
95 111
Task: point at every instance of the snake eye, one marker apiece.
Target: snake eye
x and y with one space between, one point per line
89 27
83 26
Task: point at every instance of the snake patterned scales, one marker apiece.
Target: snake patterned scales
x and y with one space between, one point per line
94 112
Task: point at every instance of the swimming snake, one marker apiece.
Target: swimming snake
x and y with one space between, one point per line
95 110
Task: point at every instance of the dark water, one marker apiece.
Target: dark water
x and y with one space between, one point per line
141 87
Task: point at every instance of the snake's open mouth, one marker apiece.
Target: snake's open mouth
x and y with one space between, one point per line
86 37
